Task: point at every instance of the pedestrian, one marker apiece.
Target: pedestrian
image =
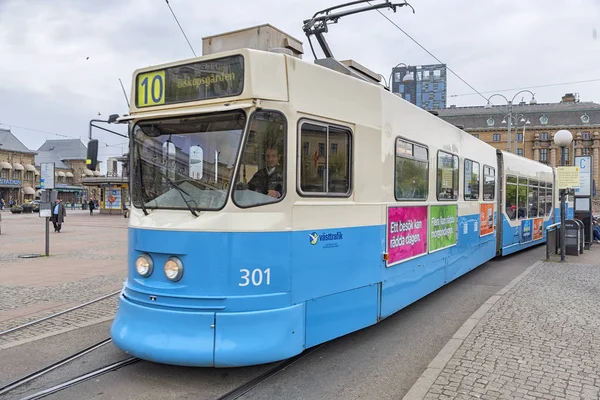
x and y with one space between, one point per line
58 215
91 206
596 228
1 204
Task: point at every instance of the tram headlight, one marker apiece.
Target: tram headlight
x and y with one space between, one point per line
174 269
144 265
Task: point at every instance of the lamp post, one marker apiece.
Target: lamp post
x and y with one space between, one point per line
517 118
509 103
562 139
407 78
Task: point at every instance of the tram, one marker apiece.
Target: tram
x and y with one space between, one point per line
278 204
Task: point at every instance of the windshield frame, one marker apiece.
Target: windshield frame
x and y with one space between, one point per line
135 180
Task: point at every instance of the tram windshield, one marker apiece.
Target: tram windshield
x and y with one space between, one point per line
186 162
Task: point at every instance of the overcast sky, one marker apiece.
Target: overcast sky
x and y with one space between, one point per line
60 60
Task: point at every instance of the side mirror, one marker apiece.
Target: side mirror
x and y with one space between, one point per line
92 155
112 118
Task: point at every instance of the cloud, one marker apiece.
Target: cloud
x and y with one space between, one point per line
49 83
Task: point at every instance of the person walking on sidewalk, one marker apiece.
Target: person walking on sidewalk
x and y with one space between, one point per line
91 206
58 215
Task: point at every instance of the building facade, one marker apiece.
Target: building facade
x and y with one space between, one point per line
427 89
68 156
533 128
18 176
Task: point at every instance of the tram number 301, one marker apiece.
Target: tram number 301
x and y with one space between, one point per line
256 277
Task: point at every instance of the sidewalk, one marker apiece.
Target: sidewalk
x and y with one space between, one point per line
88 259
538 338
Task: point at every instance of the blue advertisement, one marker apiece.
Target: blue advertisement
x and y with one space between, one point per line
526 230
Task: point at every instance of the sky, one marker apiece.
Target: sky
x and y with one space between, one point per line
61 60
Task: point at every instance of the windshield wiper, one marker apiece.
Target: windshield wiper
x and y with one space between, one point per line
181 192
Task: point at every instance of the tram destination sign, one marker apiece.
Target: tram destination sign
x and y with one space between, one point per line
222 77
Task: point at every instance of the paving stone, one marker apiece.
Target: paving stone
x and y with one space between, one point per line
539 341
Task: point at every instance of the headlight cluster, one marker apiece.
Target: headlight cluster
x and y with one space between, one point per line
173 267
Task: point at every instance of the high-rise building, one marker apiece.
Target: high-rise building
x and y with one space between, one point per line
426 87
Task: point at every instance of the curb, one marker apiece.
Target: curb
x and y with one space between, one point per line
420 388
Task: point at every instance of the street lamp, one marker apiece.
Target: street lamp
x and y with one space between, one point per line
518 118
509 103
562 139
407 78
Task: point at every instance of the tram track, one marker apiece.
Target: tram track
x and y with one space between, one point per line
263 377
37 321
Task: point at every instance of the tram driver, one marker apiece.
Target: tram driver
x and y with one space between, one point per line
269 180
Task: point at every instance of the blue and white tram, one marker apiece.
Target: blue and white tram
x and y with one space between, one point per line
324 204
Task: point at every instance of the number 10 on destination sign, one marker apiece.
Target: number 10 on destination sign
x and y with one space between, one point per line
151 88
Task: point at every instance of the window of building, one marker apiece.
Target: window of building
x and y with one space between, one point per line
519 137
586 151
490 121
16 174
305 147
511 197
566 154
425 74
4 173
544 136
471 180
412 171
437 73
28 176
397 77
447 176
329 173
586 135
544 155
334 148
496 137
520 152
489 183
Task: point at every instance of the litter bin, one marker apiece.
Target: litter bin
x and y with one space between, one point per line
572 237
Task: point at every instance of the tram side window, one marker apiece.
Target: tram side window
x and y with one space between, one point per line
412 171
522 198
447 176
541 199
325 168
489 183
549 198
471 180
511 197
261 174
532 199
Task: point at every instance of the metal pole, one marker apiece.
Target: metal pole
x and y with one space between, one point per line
563 246
509 123
48 235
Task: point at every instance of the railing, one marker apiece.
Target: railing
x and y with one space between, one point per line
552 239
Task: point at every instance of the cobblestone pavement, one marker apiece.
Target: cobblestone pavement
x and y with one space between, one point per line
87 260
541 340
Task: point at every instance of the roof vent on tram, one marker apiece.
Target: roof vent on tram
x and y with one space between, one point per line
262 37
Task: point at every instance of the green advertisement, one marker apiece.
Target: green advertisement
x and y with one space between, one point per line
443 226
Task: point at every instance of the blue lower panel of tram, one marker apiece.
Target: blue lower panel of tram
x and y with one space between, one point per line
320 287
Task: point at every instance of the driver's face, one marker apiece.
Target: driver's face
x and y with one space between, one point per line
271 157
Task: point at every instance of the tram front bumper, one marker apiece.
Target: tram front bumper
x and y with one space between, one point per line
208 339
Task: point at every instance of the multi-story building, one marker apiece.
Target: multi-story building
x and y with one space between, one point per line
426 87
17 173
533 128
68 156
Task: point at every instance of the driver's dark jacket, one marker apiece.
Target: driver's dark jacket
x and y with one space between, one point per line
262 182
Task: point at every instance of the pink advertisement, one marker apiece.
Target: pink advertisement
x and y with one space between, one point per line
406 233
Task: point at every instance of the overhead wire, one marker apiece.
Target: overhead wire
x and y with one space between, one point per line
428 52
184 35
